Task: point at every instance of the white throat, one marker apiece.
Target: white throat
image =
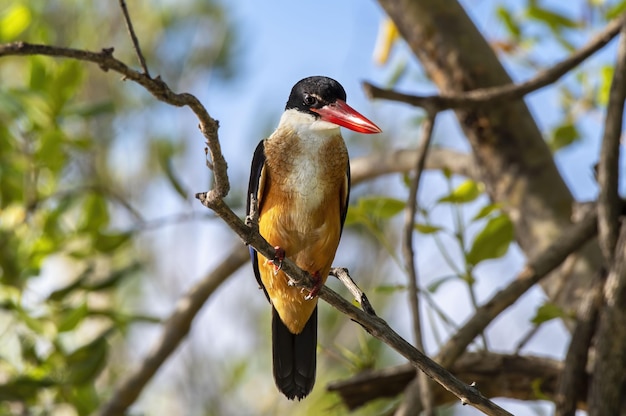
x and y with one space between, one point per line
306 125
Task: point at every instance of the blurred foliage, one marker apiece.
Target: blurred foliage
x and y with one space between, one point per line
68 227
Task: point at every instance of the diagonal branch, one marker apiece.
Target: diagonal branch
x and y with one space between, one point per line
494 95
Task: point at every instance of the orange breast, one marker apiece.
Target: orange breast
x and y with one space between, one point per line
305 222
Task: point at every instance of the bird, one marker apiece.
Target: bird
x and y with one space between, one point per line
300 182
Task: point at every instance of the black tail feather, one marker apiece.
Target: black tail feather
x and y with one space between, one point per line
294 357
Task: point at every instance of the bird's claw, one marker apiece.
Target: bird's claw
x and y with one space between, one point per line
317 286
277 261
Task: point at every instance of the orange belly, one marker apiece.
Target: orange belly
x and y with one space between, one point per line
309 236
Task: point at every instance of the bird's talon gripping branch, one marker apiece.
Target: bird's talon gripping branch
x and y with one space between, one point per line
277 261
302 207
317 286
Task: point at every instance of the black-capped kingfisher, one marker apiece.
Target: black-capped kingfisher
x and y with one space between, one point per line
301 181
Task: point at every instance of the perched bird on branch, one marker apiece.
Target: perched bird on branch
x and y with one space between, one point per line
300 179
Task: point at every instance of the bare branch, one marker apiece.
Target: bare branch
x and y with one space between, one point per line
494 95
571 240
342 274
174 330
420 387
131 32
608 168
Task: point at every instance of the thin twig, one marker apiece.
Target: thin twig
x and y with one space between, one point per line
131 32
608 168
343 275
425 404
494 95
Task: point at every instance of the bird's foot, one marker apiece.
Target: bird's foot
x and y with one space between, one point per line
277 261
317 286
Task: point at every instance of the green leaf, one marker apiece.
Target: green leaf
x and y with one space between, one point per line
547 312
173 179
14 21
435 284
23 388
604 89
114 277
467 191
509 22
85 363
563 136
615 10
382 207
554 20
61 293
493 241
388 289
486 211
107 242
427 228
95 213
71 317
84 398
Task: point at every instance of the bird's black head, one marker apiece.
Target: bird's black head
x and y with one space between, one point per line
314 93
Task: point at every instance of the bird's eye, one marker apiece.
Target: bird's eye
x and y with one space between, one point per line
309 100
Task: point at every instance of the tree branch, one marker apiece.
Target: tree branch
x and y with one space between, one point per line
573 378
494 95
609 205
420 387
605 394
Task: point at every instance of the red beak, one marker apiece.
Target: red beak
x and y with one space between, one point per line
343 115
